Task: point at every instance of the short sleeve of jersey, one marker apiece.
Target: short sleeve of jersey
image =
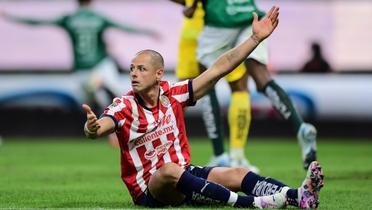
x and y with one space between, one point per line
183 93
116 111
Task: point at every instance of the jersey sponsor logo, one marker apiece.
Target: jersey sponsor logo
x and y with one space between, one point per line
163 121
153 135
81 23
165 127
233 10
161 149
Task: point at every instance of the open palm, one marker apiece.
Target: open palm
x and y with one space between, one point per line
264 27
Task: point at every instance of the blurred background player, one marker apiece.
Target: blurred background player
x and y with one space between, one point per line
188 67
226 24
97 72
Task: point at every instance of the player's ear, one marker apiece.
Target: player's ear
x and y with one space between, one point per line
159 74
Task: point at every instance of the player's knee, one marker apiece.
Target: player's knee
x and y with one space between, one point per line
259 73
235 177
169 173
238 173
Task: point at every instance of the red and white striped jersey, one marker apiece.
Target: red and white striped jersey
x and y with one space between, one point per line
151 137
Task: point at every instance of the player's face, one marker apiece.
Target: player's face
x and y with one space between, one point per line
144 76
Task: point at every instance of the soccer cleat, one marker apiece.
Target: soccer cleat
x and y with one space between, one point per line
308 193
307 138
243 163
275 201
220 160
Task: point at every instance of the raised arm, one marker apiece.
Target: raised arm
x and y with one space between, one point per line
232 58
30 21
132 29
94 127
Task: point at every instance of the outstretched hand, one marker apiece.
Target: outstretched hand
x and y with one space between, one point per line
264 27
92 123
155 35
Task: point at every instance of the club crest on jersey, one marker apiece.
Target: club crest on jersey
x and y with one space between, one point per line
114 104
164 101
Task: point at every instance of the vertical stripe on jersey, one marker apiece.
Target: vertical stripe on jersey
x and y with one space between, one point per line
133 152
176 144
126 119
150 118
166 157
128 170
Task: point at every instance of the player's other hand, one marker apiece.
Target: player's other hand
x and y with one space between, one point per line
153 34
92 123
264 27
156 36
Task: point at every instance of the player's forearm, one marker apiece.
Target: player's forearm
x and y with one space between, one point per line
228 61
89 133
225 64
131 29
106 126
28 21
95 134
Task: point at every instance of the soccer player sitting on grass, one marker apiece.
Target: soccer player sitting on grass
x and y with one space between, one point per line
155 154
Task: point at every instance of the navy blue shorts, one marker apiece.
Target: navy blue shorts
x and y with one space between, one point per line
147 200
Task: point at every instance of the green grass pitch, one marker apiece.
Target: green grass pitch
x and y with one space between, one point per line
79 173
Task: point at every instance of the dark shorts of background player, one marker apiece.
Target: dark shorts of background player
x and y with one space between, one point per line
148 200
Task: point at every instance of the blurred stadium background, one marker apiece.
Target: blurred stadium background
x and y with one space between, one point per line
36 80
40 97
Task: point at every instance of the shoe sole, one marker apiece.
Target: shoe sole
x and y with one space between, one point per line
317 181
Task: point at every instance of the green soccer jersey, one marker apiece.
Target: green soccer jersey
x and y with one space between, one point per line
85 29
229 13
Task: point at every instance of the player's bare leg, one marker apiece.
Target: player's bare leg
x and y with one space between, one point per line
162 184
231 178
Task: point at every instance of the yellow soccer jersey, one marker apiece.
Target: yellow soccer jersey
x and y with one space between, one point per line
187 64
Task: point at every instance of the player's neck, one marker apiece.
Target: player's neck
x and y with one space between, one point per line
150 98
